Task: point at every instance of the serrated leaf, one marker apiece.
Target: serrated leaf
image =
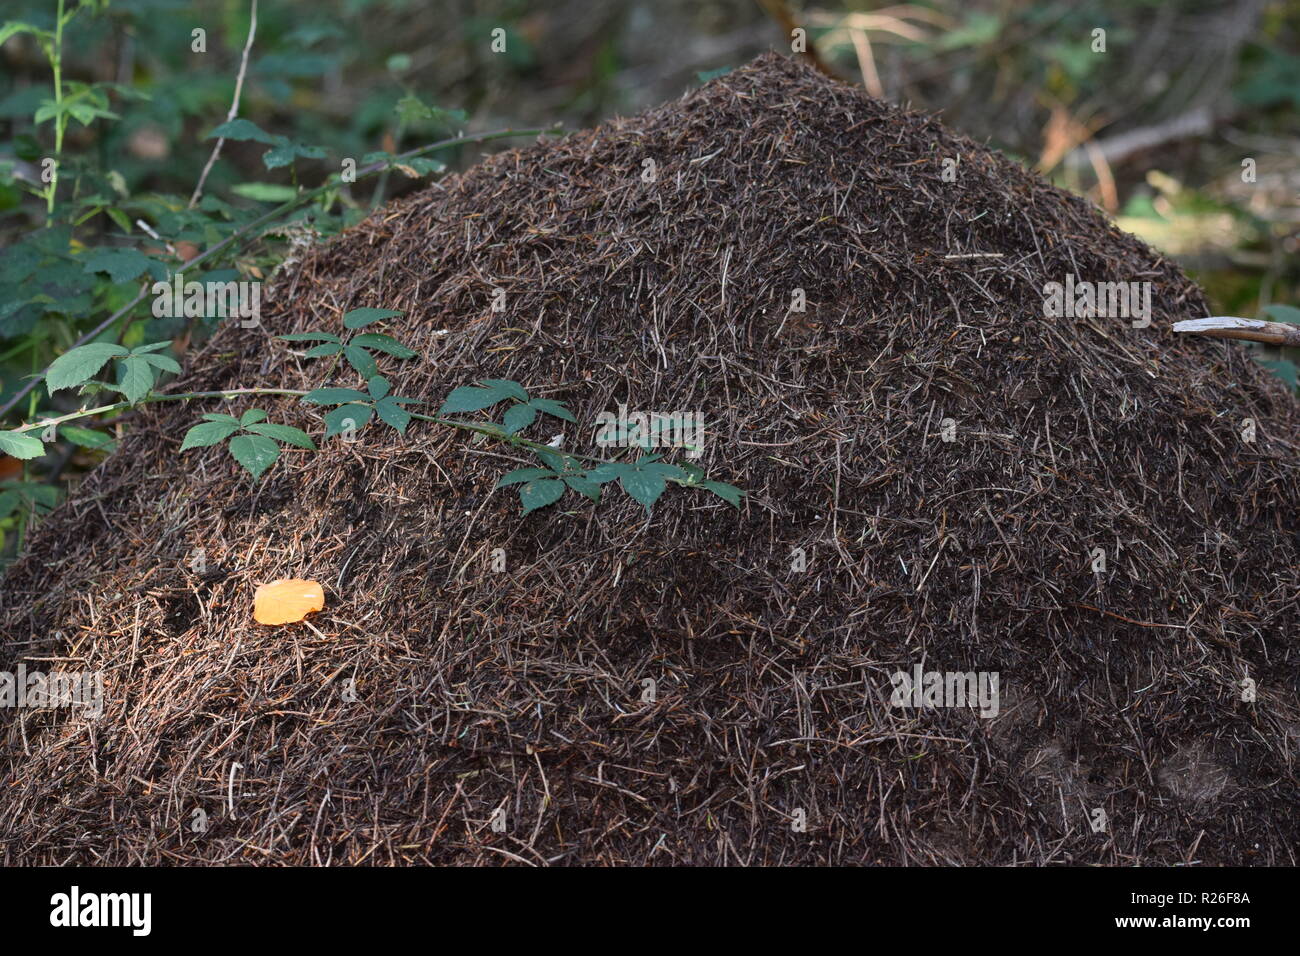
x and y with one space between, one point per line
251 416
255 452
661 469
361 360
220 417
242 130
522 474
584 486
554 460
151 347
539 493
609 471
208 433
470 398
333 396
728 493
135 377
322 350
122 265
336 421
551 407
644 486
21 445
87 438
518 417
506 387
76 366
285 433
359 318
384 343
164 362
393 414
377 386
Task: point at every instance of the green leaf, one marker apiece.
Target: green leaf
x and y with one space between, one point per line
377 386
208 433
76 366
522 474
87 438
265 192
558 462
285 433
151 347
555 408
584 487
135 377
164 362
333 396
609 471
219 417
518 417
506 387
21 445
255 452
252 416
122 265
469 398
242 130
644 486
1283 313
323 350
337 419
728 493
1283 369
539 493
359 318
393 414
661 469
384 343
285 152
361 360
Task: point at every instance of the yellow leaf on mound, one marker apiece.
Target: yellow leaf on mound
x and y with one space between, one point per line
287 601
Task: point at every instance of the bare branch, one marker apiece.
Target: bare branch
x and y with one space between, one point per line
234 105
1250 330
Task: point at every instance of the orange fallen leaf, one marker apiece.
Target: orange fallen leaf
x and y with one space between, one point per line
9 466
287 601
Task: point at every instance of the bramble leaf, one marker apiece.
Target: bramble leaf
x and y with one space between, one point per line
518 417
539 493
255 452
21 445
76 366
208 433
285 433
359 318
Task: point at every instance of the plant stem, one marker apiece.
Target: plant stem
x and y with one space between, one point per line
56 61
496 432
150 399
